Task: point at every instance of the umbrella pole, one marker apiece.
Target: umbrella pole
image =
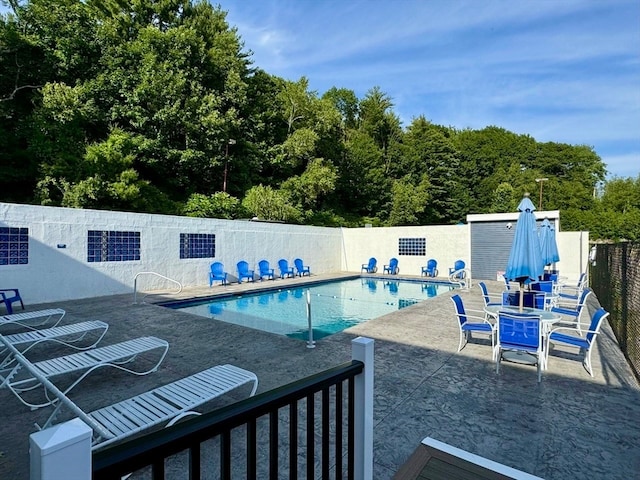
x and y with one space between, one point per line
521 296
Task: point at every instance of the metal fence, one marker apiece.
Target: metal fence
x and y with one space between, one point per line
615 279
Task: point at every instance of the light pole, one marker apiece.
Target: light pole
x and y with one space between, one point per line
541 181
231 141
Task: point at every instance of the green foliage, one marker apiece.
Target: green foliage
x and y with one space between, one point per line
131 105
504 199
306 190
408 201
346 102
266 203
218 205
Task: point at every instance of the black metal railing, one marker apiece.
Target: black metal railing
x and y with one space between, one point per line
615 279
260 451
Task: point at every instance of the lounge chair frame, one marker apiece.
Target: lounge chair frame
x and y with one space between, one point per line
20 380
24 319
168 403
71 335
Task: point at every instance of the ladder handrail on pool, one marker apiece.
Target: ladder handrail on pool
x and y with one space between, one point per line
464 282
135 284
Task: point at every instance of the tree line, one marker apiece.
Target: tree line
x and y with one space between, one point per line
155 106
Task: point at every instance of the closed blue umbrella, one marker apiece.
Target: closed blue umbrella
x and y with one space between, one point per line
525 262
548 245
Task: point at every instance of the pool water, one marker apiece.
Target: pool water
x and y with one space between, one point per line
335 306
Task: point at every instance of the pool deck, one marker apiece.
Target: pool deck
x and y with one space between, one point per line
568 426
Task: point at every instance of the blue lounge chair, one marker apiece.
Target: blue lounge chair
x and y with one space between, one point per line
285 269
431 269
217 274
302 270
8 298
264 270
371 267
457 272
244 272
392 268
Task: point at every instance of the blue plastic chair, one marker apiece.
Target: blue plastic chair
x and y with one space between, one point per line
301 268
585 343
521 334
457 272
431 269
8 299
371 267
467 326
217 274
285 269
244 272
264 270
392 268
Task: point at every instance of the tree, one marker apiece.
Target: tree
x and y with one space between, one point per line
346 102
408 201
218 205
378 121
504 199
306 191
428 151
362 185
268 204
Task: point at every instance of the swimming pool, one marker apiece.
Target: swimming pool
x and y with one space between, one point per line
335 306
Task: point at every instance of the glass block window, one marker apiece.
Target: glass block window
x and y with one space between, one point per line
412 246
110 246
14 246
197 245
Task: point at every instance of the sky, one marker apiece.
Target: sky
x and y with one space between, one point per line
565 71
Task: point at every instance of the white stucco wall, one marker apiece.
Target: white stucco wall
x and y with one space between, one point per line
445 243
55 274
58 274
573 249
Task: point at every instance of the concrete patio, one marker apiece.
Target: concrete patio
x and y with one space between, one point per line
570 426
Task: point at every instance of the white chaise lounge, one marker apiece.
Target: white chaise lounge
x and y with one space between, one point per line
27 376
71 335
26 319
168 403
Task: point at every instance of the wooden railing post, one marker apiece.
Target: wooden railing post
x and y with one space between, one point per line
362 350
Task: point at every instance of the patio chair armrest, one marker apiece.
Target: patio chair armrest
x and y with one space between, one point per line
572 329
473 311
569 289
482 319
497 296
564 304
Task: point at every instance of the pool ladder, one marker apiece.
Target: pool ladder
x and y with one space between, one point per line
135 285
310 342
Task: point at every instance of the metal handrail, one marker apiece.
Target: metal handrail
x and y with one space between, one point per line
135 284
464 282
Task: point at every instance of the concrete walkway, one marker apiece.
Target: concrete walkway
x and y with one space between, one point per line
570 426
